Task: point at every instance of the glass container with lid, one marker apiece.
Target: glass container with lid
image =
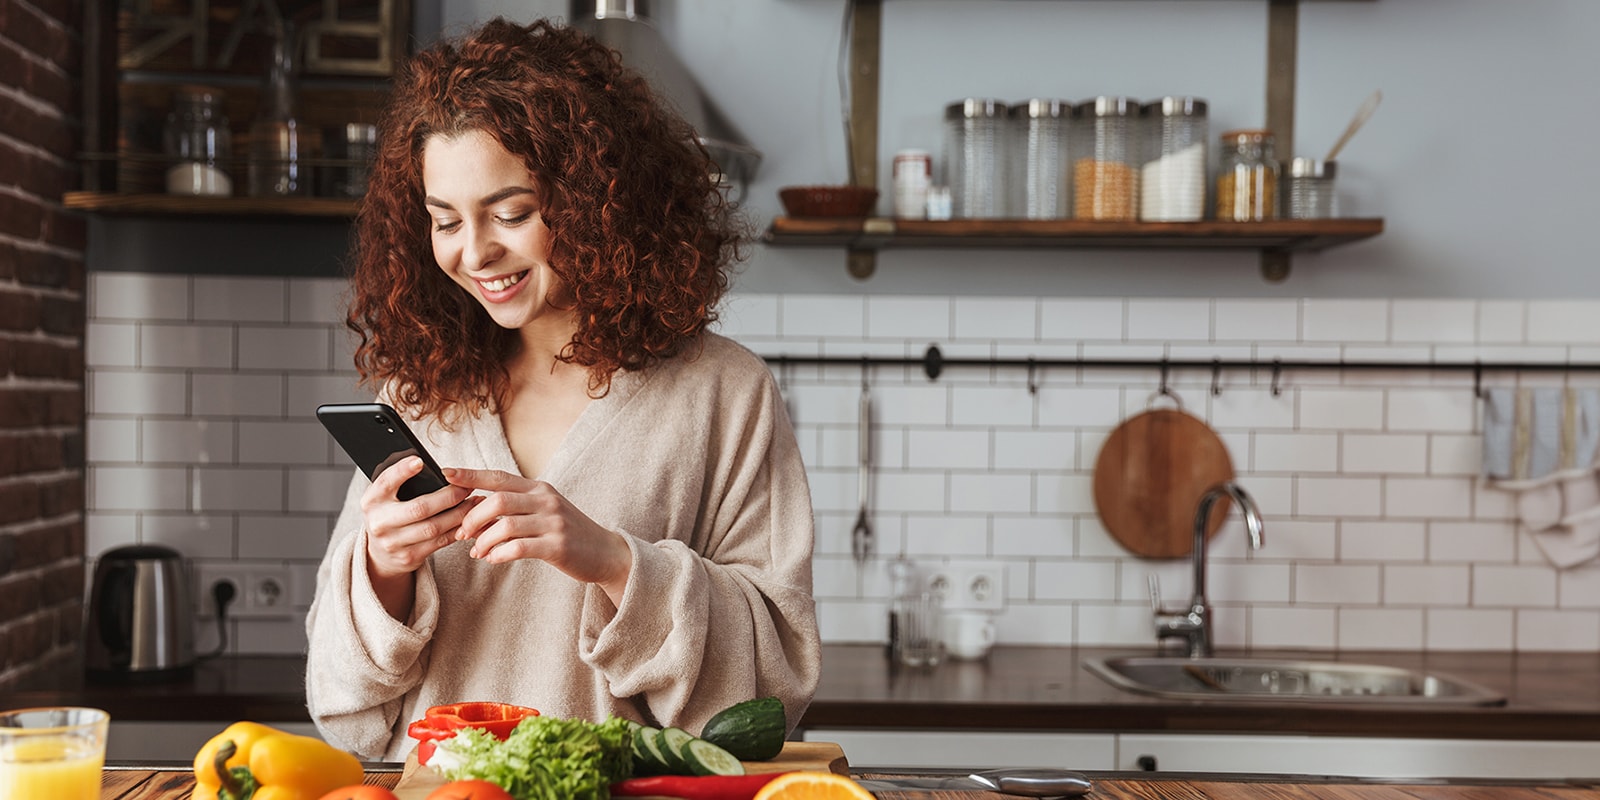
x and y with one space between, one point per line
198 143
1172 180
1105 166
1310 193
1039 187
1247 177
974 157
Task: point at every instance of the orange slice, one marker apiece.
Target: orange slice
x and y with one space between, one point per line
812 786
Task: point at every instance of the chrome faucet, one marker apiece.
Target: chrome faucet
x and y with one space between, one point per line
1193 624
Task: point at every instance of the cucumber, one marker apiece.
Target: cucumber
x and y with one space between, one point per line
672 742
753 730
705 758
647 757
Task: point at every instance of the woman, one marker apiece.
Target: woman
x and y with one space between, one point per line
628 530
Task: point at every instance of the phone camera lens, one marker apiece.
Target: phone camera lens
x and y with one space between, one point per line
378 418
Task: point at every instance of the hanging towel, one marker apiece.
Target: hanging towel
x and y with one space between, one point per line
1541 444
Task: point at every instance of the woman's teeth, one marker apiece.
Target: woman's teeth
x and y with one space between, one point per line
502 284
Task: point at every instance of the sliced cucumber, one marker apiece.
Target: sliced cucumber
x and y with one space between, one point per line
647 758
672 742
753 730
705 758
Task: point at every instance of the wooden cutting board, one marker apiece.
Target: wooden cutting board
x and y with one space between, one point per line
416 781
1149 477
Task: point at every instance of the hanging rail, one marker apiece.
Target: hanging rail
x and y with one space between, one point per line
933 364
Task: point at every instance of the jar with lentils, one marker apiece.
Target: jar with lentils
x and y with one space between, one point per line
1105 159
1247 177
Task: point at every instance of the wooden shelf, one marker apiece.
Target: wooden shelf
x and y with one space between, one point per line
187 206
881 233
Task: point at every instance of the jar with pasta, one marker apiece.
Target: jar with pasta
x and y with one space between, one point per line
1105 165
1247 177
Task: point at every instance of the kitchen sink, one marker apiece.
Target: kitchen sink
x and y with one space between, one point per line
1279 680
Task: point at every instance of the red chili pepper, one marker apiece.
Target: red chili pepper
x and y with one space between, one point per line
694 787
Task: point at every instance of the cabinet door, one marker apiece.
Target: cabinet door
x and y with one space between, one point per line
1360 756
877 749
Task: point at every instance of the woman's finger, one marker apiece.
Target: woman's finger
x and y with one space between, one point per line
489 480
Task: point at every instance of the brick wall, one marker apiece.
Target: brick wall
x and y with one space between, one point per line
41 345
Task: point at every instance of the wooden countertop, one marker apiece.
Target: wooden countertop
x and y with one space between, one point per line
1550 696
165 782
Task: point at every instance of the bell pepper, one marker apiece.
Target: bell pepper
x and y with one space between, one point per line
442 722
250 761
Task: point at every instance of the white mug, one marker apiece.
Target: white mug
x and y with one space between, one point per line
968 634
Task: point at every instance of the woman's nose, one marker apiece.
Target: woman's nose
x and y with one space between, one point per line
481 248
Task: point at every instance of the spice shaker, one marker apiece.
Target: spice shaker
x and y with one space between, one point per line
974 144
913 176
1172 181
1310 193
197 139
1038 175
1247 177
1105 177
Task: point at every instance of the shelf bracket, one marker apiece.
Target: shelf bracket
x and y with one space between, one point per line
1283 25
861 147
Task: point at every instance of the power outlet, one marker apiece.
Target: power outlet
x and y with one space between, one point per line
968 587
259 591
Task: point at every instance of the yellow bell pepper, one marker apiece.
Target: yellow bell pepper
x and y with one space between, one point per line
255 762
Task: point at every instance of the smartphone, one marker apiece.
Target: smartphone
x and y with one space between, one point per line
375 437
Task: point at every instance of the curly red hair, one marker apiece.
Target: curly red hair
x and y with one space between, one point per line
642 239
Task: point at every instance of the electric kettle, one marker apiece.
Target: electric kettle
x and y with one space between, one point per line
140 618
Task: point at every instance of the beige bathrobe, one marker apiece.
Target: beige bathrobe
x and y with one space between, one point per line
694 462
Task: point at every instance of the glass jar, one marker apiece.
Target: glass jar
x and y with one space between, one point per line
276 165
1039 185
974 156
1247 177
197 141
1105 166
1310 193
1172 181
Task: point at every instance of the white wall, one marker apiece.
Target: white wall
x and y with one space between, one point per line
201 436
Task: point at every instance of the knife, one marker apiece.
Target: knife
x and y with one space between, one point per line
1021 782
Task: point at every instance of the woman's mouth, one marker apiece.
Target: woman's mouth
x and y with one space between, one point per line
502 283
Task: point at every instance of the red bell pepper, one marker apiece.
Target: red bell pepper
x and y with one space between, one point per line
694 787
442 722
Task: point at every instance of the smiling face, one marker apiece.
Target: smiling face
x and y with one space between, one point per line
487 230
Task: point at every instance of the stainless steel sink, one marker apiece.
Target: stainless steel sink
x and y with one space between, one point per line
1279 680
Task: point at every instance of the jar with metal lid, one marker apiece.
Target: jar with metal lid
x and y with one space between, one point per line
1310 193
1039 184
975 157
1105 163
1247 177
198 143
1172 180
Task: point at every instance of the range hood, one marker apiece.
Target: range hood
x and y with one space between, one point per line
625 26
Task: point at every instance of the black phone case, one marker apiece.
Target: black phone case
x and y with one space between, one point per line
375 437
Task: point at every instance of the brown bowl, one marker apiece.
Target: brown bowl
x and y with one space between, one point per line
828 201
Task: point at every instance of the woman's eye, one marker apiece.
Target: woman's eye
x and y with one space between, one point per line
513 219
446 226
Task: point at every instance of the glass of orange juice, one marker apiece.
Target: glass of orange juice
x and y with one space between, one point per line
52 752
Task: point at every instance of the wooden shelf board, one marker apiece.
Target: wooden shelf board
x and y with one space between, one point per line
882 233
181 205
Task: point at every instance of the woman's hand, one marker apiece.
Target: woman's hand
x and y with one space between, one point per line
522 518
401 534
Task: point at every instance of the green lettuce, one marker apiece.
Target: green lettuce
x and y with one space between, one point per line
545 758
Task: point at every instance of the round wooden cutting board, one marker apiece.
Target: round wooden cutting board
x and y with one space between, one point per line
1149 477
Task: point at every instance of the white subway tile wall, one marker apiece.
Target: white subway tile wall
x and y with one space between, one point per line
1378 534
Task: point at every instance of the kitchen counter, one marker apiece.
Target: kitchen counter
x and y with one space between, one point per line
166 782
1550 696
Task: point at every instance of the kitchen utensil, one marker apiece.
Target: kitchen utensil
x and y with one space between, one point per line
140 617
1362 115
1149 477
861 534
828 201
1020 782
968 635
